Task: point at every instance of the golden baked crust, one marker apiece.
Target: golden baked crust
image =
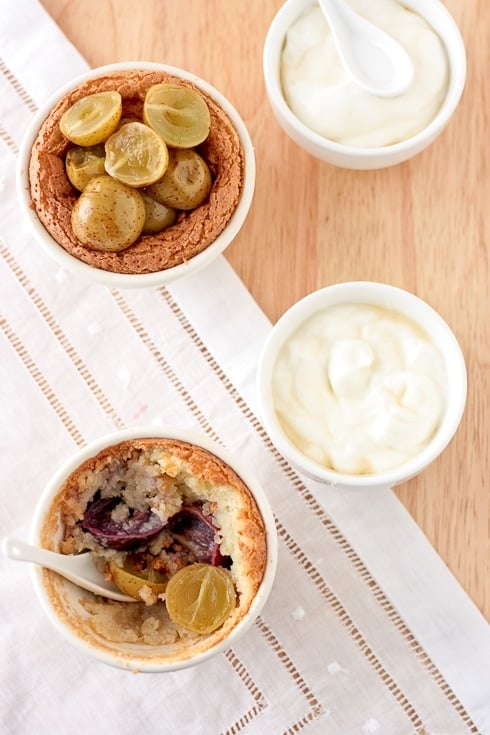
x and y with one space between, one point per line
53 196
200 476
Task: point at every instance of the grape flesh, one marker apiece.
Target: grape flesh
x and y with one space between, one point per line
135 574
137 526
136 155
178 114
83 164
92 119
200 597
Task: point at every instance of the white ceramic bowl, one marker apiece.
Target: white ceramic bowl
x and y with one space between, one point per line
352 157
64 603
390 298
159 278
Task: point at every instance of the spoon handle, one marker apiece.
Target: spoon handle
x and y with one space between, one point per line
71 567
20 551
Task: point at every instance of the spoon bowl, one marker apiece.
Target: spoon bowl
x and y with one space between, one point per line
373 58
79 569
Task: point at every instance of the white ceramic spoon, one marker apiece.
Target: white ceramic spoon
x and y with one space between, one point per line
373 58
79 569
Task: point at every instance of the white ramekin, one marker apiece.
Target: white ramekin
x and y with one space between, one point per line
63 606
390 298
143 280
346 156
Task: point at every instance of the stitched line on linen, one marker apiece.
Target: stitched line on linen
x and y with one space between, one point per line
379 595
69 425
8 140
207 428
38 302
252 688
293 547
42 383
316 708
14 82
105 404
163 364
355 560
351 554
349 624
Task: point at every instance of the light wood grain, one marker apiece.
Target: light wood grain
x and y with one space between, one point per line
422 225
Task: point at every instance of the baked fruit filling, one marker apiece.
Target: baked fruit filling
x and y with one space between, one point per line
200 599
172 526
126 171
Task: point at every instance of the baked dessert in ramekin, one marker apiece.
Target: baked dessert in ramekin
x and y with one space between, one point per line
156 505
194 239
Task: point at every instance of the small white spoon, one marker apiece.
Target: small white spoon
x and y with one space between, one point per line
79 569
377 62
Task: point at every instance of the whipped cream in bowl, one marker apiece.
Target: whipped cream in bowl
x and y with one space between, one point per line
361 384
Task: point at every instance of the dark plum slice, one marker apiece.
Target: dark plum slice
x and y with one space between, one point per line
194 530
139 526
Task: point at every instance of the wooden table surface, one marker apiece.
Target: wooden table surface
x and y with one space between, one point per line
420 225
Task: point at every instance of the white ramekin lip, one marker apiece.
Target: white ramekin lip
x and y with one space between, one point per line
145 663
143 280
349 156
390 297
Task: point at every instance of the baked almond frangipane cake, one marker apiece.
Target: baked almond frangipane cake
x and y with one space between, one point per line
134 160
175 528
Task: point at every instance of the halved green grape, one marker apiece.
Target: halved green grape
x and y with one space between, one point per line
108 215
186 182
178 113
200 597
158 216
92 119
136 155
83 164
131 578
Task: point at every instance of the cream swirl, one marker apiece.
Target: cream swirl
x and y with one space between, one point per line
359 389
323 96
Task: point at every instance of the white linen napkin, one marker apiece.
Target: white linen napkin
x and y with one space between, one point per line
366 631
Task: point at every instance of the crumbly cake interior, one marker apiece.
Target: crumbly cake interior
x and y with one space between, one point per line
156 480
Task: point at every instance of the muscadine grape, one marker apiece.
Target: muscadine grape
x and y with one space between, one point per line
83 164
186 182
130 578
178 114
92 119
108 215
157 216
136 155
200 597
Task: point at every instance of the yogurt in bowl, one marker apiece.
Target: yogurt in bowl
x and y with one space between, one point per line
322 95
361 384
323 110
